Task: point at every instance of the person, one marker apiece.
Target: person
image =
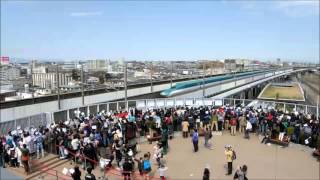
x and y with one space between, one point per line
243 124
127 169
220 120
162 169
233 123
89 175
195 140
206 174
146 165
13 156
248 129
185 128
214 121
229 156
39 143
140 165
76 175
25 158
2 154
158 153
241 173
207 137
266 138
282 131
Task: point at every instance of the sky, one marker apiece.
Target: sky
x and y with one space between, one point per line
161 30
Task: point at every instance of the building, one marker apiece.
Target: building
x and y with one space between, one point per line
230 64
4 60
39 69
49 80
69 66
98 65
9 72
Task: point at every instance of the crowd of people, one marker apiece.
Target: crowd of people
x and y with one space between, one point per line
108 137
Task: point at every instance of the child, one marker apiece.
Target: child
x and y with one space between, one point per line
140 165
162 169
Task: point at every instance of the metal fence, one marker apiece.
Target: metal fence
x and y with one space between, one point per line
45 119
175 102
42 119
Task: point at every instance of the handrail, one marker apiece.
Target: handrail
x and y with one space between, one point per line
46 169
106 169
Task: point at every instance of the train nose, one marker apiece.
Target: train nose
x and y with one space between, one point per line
165 93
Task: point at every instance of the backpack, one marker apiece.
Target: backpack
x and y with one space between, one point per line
146 165
195 137
234 155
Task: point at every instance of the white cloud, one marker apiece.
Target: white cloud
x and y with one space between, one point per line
85 14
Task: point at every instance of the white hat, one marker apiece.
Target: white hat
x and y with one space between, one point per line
305 125
130 153
14 132
18 127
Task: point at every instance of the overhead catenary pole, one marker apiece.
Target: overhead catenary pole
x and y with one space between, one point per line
33 82
82 84
203 84
125 86
171 74
58 85
151 74
318 99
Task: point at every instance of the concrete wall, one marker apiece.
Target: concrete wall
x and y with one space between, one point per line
29 110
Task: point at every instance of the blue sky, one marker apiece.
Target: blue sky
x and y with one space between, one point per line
160 30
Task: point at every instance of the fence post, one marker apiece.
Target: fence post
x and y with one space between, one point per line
68 115
284 107
306 111
117 105
29 121
15 124
57 175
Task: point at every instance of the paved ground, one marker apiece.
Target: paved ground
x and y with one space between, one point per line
263 161
5 174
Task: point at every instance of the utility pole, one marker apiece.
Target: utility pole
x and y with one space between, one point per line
82 84
125 86
58 85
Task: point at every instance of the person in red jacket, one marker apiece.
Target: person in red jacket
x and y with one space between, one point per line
233 123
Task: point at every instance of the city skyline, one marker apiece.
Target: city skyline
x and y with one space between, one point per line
161 30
